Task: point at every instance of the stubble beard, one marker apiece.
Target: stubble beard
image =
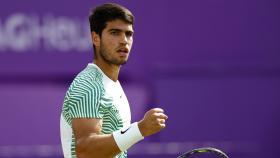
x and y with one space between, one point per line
110 59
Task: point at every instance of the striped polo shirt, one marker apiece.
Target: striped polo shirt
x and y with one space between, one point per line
93 95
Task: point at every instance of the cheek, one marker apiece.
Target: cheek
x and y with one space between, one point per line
107 43
130 42
112 42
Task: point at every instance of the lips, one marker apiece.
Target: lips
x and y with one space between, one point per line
123 50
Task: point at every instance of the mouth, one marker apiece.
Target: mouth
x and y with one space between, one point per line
123 50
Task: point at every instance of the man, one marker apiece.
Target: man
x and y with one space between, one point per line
95 120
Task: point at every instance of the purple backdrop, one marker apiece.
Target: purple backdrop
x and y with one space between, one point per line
212 65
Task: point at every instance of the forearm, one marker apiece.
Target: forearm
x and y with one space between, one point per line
108 145
96 146
90 143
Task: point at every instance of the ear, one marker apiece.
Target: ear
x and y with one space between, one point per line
95 39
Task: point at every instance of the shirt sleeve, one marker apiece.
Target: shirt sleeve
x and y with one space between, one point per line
86 100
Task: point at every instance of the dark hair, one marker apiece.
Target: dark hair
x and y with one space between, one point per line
104 13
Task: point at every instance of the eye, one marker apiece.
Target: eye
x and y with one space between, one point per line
129 34
114 33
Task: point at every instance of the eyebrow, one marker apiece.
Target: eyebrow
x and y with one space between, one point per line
119 30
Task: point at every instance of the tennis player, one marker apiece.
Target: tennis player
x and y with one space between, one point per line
95 120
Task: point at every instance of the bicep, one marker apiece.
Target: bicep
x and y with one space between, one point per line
90 142
83 127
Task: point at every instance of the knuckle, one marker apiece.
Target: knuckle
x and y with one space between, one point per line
153 110
154 115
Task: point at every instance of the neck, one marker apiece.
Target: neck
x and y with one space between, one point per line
110 70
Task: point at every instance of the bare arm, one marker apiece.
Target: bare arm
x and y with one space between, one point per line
90 142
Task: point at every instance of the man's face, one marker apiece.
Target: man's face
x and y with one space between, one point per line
116 42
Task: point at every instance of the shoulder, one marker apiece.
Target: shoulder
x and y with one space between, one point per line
90 79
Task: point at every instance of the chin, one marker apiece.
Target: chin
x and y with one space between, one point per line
119 62
123 62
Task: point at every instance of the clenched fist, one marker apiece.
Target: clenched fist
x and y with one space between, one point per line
153 122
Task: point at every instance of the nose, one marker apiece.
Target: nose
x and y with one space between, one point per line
124 39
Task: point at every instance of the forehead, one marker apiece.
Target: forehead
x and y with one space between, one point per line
119 24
